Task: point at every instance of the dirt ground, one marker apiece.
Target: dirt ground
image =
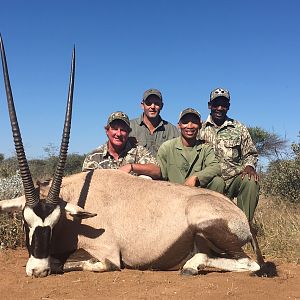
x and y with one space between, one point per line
131 284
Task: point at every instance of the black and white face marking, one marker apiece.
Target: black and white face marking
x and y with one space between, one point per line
39 222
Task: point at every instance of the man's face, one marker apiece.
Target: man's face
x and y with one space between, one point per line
189 125
219 108
117 134
152 106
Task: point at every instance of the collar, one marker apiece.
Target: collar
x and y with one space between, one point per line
141 121
180 146
227 122
124 152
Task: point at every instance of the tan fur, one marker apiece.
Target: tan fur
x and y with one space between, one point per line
149 224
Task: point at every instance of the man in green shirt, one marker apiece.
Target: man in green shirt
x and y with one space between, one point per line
235 150
187 160
150 130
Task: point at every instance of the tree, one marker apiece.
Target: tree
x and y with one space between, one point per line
267 144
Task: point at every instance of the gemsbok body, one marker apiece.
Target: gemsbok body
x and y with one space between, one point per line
123 221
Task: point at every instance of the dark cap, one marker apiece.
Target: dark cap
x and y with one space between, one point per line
219 92
118 115
189 111
152 92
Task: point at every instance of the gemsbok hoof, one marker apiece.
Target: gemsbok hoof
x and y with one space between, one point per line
189 272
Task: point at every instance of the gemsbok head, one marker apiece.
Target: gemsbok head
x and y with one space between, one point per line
39 215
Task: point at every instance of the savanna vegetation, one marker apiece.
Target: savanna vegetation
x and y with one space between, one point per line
277 216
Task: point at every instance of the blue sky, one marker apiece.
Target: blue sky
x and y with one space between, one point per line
184 48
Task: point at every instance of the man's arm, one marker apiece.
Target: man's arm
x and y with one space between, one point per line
212 167
162 159
145 164
151 170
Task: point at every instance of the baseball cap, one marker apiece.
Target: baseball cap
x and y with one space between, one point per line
189 111
152 92
118 115
219 92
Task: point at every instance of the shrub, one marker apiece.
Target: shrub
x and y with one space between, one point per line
8 167
11 187
282 177
42 168
74 163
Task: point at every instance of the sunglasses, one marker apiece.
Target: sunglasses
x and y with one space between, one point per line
150 102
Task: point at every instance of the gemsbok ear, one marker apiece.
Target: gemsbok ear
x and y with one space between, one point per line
77 211
83 215
12 205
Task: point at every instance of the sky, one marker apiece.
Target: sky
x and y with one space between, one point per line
123 47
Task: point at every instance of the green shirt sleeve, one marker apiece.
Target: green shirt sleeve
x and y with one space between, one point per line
162 161
211 166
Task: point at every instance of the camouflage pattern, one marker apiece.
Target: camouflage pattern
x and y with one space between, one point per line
101 159
189 111
233 146
118 115
219 92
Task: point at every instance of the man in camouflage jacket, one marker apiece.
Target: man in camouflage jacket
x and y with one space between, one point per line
120 153
235 150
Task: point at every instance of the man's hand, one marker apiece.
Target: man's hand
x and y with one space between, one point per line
126 168
192 181
250 171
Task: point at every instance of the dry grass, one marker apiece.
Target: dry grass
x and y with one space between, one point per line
11 233
278 224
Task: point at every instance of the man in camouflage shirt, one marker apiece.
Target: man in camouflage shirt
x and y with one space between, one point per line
235 150
120 153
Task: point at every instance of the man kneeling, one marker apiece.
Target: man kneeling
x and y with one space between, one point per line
187 160
120 153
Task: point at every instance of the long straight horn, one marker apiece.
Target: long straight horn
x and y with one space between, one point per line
59 172
32 197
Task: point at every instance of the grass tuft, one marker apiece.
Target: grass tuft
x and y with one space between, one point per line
278 225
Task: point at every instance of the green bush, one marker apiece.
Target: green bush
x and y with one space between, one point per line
74 163
8 167
282 177
42 168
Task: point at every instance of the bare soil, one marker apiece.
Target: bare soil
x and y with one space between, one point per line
132 284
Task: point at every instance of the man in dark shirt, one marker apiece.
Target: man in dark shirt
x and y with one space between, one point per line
150 130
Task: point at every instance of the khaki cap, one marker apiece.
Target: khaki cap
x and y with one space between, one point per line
152 92
189 111
219 92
